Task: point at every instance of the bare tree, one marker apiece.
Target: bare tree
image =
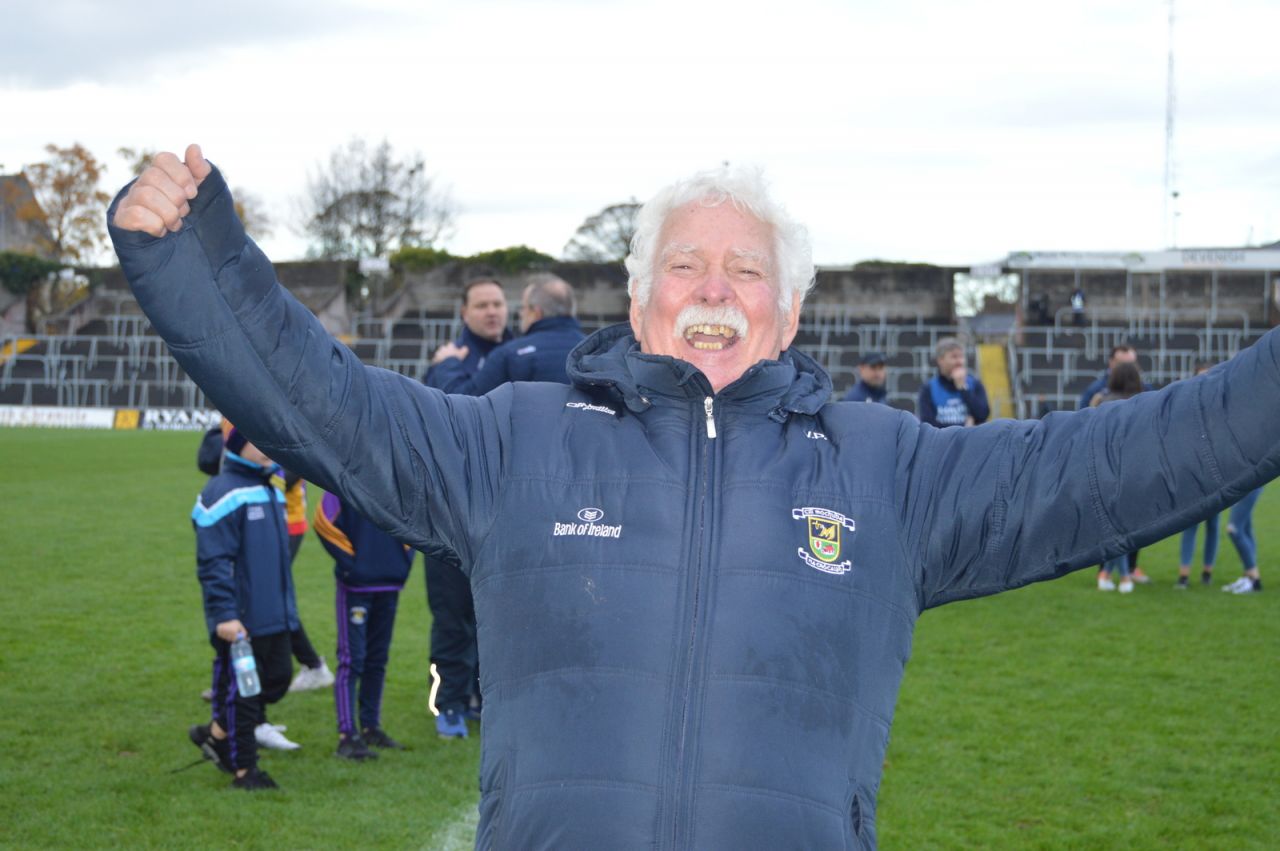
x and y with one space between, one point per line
367 202
606 236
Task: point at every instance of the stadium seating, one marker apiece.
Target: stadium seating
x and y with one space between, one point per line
118 361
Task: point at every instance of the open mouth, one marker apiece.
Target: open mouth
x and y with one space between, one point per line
710 338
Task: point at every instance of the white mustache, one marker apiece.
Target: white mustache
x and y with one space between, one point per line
699 314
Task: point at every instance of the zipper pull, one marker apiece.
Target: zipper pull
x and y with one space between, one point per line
711 423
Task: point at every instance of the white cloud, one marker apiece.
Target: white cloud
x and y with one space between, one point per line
919 130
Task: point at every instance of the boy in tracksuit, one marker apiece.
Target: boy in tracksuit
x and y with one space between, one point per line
242 558
370 568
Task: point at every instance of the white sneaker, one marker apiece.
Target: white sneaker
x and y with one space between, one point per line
1105 584
312 678
1244 585
270 736
1126 586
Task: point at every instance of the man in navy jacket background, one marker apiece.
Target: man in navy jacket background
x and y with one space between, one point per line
549 330
455 665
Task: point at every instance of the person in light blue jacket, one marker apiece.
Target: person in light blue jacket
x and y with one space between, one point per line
696 578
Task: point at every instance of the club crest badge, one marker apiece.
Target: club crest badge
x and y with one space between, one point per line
825 528
359 614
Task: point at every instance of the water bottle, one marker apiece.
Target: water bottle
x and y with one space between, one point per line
245 667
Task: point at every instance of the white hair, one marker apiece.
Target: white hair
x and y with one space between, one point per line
745 187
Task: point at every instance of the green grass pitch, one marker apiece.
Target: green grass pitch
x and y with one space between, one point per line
1050 717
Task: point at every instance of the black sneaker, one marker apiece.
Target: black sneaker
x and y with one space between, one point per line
1181 584
253 779
378 738
217 751
354 747
1206 578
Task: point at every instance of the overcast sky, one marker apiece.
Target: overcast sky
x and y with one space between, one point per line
924 130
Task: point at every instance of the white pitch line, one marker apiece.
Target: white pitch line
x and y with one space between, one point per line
459 834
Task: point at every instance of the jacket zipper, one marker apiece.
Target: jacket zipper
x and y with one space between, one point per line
680 816
279 517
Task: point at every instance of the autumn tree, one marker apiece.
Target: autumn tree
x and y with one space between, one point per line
249 206
606 236
73 207
367 201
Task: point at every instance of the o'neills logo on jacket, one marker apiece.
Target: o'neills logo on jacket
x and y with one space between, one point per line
824 539
588 525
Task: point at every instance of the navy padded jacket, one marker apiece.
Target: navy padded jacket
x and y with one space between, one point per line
694 609
453 369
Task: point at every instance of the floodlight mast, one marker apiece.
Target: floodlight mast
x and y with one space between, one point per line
1170 212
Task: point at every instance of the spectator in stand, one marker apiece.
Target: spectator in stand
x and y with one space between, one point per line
370 568
953 397
1188 548
454 661
1125 382
1077 307
871 384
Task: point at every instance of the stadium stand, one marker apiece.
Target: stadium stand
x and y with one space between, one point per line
111 358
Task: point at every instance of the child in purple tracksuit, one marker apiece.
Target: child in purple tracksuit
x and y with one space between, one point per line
370 568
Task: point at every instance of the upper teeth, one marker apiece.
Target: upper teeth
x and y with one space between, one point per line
711 330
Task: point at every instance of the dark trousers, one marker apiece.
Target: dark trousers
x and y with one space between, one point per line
234 712
303 650
453 634
366 620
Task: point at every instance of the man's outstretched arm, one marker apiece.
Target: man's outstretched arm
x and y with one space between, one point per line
421 465
1013 502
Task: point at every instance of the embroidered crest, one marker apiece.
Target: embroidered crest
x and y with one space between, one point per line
825 539
359 614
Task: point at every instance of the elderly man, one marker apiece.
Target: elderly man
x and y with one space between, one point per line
696 581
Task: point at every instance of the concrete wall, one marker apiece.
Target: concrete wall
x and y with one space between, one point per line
1189 292
898 292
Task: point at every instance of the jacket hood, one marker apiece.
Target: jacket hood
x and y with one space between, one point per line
610 362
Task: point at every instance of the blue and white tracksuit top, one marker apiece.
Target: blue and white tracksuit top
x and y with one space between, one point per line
365 558
694 608
242 549
941 404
